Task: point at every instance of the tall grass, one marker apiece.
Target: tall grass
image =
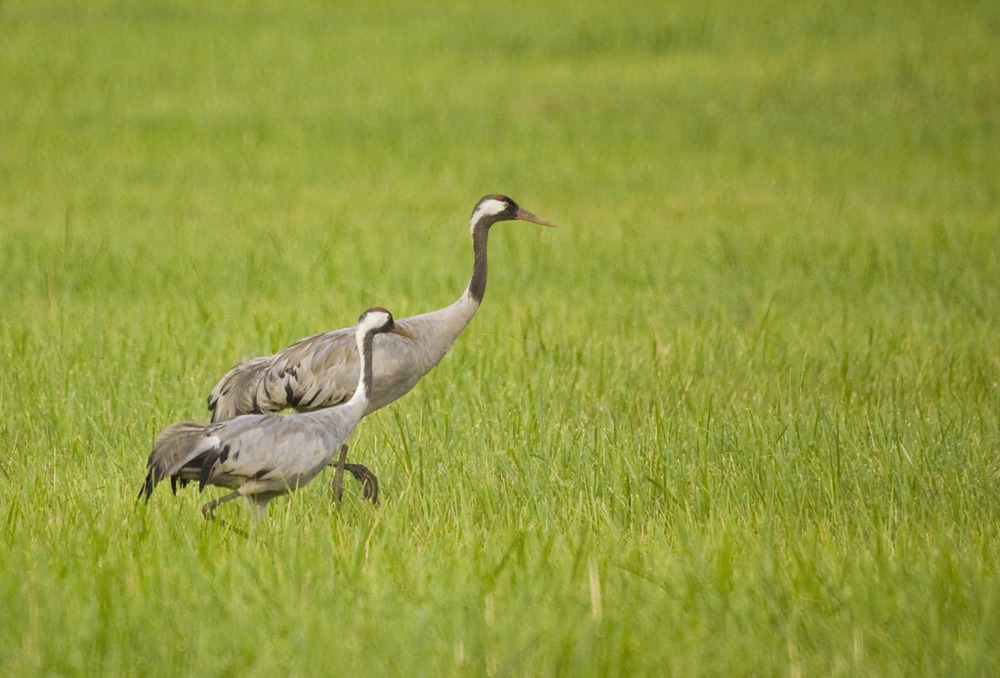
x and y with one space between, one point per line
739 414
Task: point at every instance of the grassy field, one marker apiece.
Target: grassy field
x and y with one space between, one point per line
739 414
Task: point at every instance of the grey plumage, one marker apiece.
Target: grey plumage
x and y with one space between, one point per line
261 457
322 370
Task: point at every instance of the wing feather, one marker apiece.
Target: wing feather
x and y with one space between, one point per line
315 372
176 447
235 393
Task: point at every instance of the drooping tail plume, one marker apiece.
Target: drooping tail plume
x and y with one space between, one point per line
178 446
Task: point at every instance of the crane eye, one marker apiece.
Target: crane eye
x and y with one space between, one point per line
506 204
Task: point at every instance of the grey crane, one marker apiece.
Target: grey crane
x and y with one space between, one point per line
322 370
261 457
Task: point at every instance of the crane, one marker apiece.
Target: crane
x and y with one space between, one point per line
322 370
261 457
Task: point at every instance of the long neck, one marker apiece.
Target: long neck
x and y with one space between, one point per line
477 284
363 392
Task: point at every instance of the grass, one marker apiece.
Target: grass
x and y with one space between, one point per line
739 414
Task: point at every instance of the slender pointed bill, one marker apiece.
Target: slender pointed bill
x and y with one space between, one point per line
525 215
401 332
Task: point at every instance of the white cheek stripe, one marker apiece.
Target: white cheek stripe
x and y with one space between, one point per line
373 320
491 206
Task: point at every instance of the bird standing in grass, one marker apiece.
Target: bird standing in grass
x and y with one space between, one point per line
322 370
261 457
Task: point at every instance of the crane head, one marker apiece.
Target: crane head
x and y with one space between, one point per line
496 207
378 320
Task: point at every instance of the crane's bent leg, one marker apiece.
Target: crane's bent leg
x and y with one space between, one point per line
366 478
338 477
208 508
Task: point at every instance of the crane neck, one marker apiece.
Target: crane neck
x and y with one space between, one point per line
477 284
362 394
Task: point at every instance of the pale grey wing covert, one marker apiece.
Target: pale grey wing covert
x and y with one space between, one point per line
313 373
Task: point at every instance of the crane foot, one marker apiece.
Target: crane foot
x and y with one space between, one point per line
367 479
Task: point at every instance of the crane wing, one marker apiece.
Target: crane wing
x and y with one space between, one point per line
234 394
318 371
275 451
322 370
272 453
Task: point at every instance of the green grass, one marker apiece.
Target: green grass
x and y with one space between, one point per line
739 414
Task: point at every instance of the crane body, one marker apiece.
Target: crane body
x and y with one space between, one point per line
261 457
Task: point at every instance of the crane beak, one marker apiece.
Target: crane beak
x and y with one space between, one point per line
396 329
525 215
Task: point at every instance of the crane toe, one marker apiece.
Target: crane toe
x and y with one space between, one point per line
367 479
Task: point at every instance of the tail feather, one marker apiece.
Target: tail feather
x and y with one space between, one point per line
176 447
236 393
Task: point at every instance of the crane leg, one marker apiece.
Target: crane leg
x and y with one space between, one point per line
338 477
